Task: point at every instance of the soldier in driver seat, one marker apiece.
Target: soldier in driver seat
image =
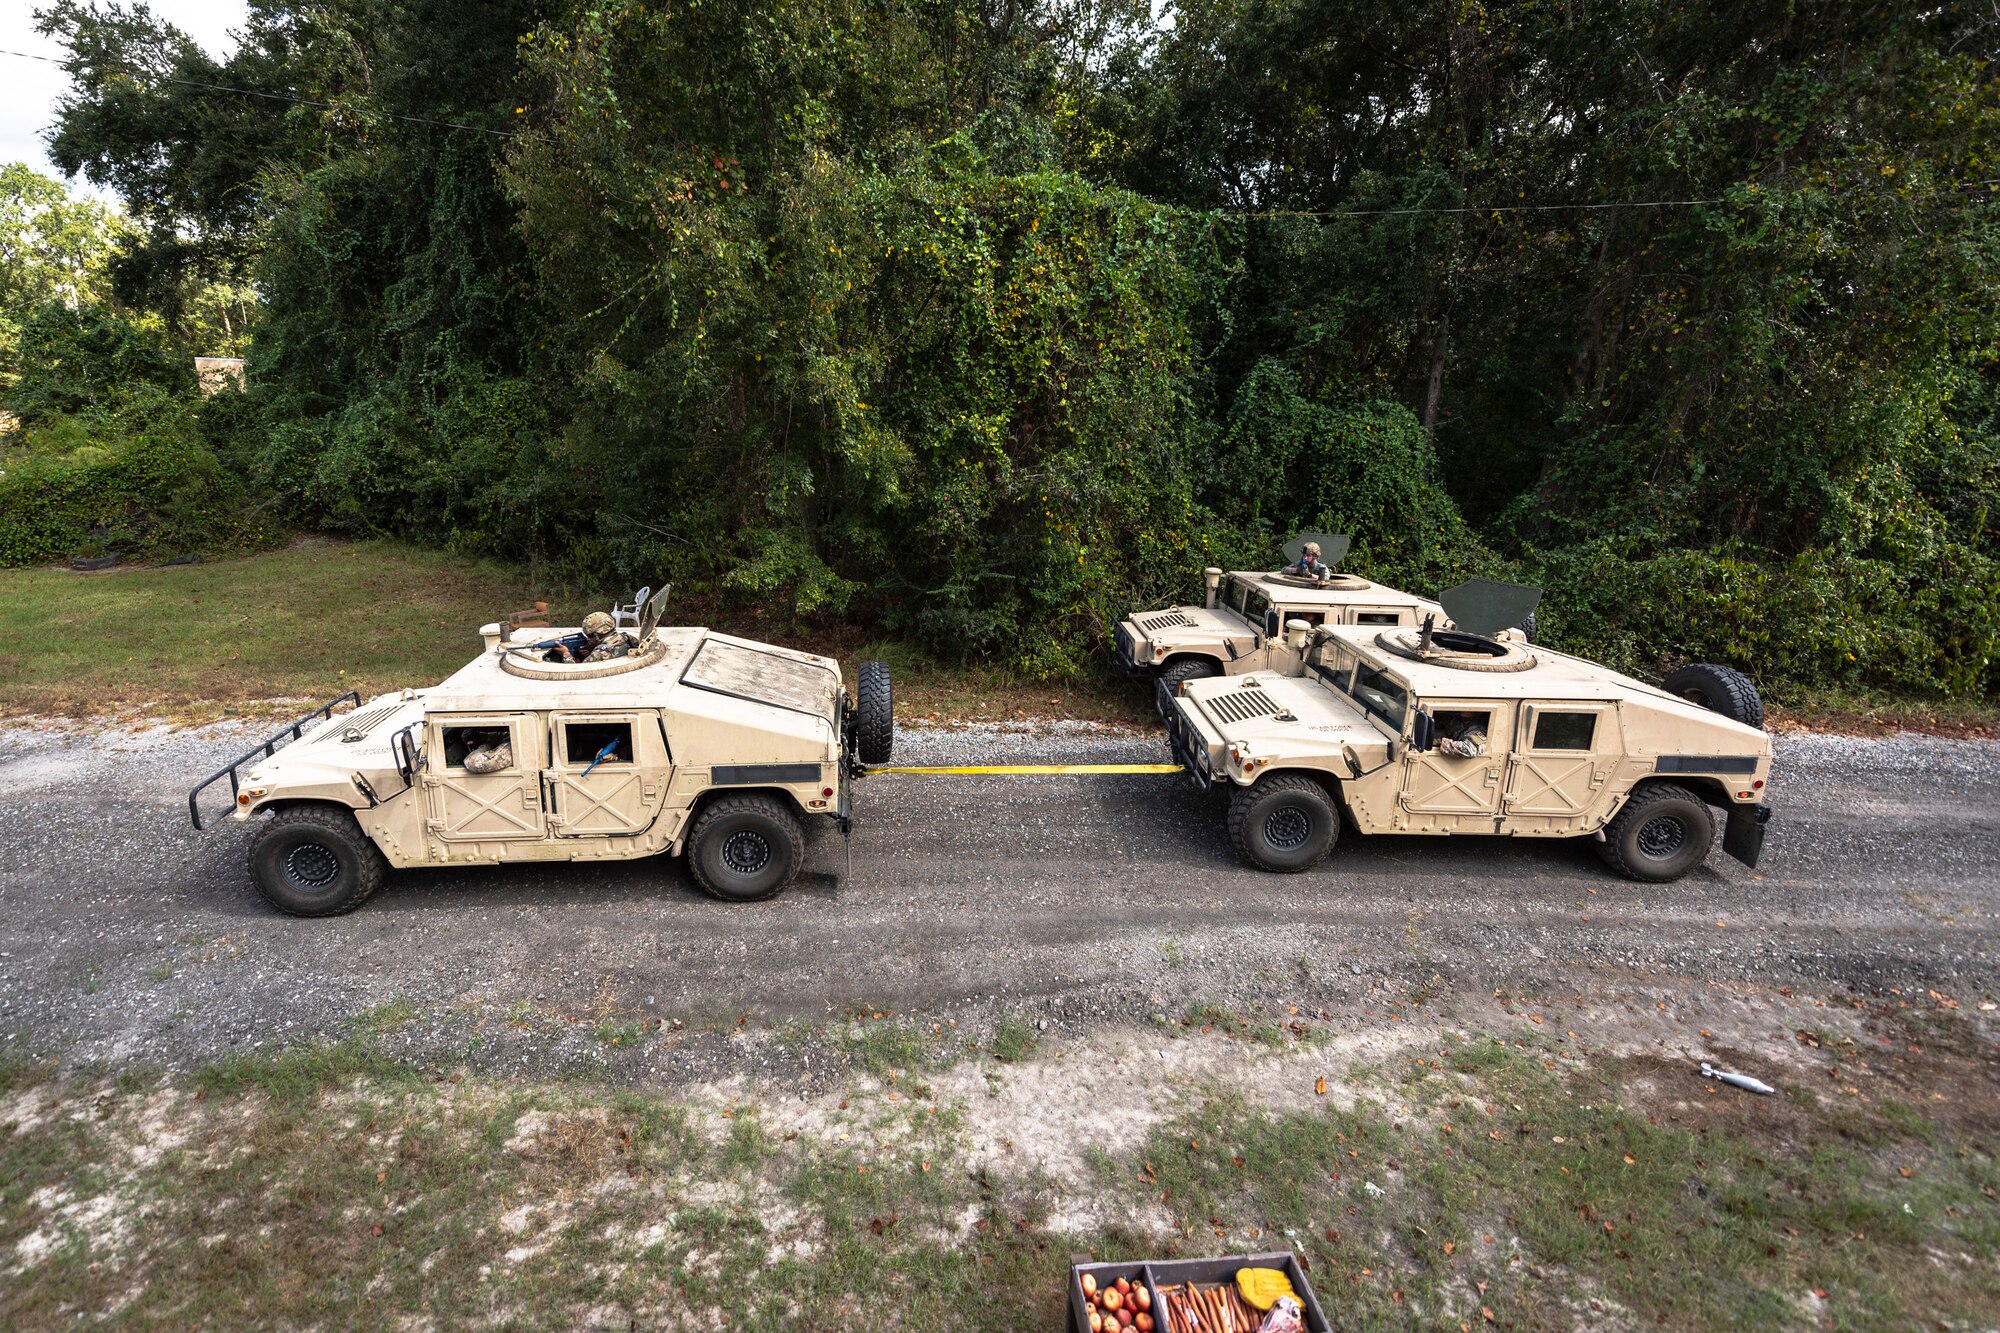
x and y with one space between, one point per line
1310 566
1462 734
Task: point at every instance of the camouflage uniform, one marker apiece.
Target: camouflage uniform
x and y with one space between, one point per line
1310 566
491 757
614 647
1469 743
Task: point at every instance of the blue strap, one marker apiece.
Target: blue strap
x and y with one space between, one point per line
610 749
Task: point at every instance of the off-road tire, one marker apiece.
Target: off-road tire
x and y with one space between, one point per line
1286 823
745 848
1719 689
874 713
1663 832
1528 627
314 860
1188 668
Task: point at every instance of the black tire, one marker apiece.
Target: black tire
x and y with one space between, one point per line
1187 668
1286 823
314 860
1719 689
1663 832
1528 627
745 848
874 713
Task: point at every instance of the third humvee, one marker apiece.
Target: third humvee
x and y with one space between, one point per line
1241 628
1566 747
694 742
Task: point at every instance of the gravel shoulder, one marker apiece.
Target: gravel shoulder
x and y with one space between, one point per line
1072 903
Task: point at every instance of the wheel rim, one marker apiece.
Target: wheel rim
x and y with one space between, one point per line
746 852
311 865
1697 696
1662 836
1287 828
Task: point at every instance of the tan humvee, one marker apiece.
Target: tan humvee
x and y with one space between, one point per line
695 741
1569 749
1240 629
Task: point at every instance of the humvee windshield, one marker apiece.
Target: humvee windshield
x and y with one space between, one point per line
1382 696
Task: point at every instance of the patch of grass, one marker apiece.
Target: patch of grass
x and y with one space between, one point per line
164 972
384 1018
308 622
302 1073
1875 712
882 1046
620 1032
1451 1199
1013 1041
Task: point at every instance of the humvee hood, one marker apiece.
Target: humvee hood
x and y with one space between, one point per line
1267 713
327 759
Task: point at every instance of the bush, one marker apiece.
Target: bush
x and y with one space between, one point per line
92 358
142 481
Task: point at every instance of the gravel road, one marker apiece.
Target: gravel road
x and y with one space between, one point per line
125 937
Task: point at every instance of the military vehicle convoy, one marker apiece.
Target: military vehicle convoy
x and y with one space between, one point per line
1424 730
694 741
1241 628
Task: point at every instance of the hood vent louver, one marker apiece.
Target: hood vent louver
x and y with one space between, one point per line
353 726
1241 705
1166 620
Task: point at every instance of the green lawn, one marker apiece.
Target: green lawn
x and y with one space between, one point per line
306 622
322 617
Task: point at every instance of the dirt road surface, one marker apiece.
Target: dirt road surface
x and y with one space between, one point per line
1070 903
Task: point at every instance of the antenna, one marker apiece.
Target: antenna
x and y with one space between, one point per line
1332 547
1485 607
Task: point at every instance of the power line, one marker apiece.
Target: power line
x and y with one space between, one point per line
306 101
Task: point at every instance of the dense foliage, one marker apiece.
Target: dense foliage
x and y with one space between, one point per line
980 320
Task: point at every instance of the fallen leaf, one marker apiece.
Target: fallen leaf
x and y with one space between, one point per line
1630 1160
1450 1246
375 1230
1319 1085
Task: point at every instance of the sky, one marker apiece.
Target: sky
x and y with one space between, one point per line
29 89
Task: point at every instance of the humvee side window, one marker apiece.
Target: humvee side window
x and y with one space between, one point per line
1254 607
1381 696
1235 599
460 741
1310 617
583 742
1377 618
1564 731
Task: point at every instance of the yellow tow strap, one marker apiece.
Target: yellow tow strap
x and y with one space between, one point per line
1019 770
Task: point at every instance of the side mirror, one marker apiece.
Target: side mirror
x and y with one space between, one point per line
1272 624
1423 731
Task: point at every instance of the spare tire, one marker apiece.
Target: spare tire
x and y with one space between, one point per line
874 714
1719 689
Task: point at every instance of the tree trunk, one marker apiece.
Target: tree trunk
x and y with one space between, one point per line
1434 392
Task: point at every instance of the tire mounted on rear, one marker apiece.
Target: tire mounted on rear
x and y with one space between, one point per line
874 713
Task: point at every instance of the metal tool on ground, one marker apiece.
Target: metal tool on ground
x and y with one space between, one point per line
1735 1080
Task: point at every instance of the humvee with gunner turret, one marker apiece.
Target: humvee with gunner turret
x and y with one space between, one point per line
694 741
1431 731
1241 628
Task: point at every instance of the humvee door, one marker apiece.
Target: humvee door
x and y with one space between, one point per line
607 774
1566 754
482 807
1446 791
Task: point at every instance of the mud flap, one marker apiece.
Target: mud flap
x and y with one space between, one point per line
1743 835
